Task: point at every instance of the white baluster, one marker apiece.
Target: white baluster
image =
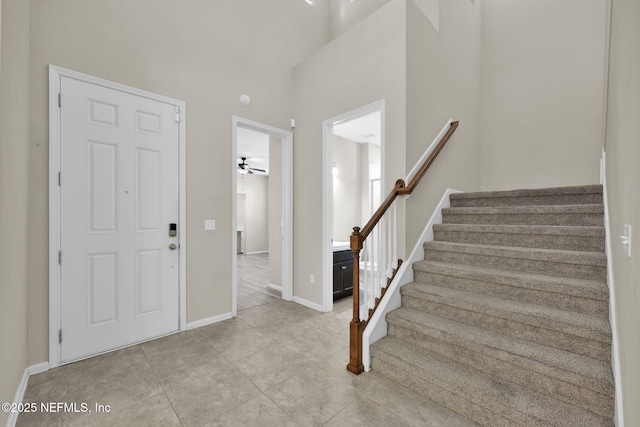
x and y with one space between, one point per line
388 259
395 236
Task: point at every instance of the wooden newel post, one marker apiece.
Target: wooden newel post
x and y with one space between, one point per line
356 327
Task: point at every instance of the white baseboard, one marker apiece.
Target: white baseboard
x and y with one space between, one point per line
274 287
309 304
377 326
22 387
38 368
257 252
615 354
209 320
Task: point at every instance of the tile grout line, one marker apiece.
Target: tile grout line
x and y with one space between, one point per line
161 386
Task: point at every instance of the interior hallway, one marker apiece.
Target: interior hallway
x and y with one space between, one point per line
253 277
279 364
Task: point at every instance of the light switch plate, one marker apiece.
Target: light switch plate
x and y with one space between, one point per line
209 224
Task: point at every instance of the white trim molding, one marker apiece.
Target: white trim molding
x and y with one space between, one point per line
287 206
209 320
377 327
55 75
274 287
306 303
615 353
22 387
327 188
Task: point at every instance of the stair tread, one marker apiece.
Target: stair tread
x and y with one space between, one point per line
511 400
555 284
554 230
564 365
552 255
576 324
535 209
530 192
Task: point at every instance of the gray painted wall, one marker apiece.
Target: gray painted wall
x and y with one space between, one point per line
623 187
443 82
255 213
347 188
358 67
204 53
14 166
542 86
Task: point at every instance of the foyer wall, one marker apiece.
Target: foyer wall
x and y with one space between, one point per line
363 65
14 163
204 53
623 186
443 82
543 67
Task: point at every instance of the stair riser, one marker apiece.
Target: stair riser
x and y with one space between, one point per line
541 241
568 219
561 199
565 341
587 272
550 299
579 393
452 399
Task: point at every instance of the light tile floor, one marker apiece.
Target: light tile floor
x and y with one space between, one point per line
279 364
253 277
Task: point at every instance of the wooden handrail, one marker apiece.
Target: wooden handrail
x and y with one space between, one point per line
427 163
356 327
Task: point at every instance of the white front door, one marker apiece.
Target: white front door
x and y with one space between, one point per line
119 271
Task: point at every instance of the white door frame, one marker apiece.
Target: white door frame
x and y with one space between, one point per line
55 75
327 189
287 206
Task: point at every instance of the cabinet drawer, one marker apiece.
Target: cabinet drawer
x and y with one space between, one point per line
342 256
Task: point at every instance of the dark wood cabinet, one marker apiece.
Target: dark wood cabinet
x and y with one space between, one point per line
342 274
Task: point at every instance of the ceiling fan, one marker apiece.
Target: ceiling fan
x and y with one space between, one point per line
244 167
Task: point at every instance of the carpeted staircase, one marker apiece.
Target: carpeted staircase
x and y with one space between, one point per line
507 320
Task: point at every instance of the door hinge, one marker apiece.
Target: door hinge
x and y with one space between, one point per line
177 116
60 257
60 99
59 336
59 179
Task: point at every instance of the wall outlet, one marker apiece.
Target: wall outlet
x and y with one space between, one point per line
209 224
312 279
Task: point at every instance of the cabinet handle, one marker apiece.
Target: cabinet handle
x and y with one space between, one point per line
344 267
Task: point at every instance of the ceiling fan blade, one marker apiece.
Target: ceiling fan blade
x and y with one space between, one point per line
257 170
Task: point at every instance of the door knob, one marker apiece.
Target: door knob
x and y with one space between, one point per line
172 246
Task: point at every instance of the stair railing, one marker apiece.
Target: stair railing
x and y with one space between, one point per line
375 260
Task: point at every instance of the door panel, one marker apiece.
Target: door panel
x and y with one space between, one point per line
102 288
102 173
119 193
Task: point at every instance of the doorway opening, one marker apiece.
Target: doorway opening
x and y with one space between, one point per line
261 214
353 178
